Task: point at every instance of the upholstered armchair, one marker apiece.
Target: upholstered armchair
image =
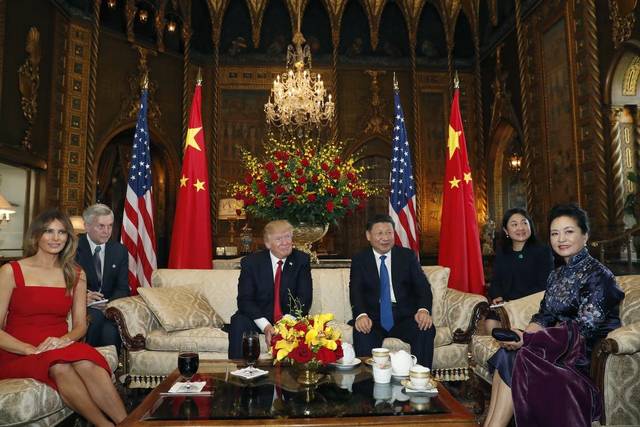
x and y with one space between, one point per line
615 365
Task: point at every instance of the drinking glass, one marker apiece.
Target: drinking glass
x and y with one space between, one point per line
188 361
250 348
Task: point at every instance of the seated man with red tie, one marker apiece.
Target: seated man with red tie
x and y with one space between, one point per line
266 279
390 295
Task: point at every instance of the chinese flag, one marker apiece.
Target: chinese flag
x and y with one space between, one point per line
191 240
459 238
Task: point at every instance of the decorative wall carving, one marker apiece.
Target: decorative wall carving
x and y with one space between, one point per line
256 11
374 9
377 120
631 75
623 19
29 82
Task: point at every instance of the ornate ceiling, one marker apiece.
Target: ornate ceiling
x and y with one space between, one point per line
354 29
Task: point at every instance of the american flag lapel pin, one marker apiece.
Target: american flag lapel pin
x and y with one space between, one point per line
290 263
113 266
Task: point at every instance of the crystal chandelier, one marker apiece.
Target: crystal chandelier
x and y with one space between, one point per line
298 99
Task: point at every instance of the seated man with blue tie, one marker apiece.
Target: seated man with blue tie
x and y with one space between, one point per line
266 279
106 265
390 295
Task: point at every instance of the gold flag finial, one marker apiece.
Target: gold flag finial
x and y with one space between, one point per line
456 80
145 81
395 82
199 77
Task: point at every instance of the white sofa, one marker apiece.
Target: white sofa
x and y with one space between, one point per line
151 351
27 402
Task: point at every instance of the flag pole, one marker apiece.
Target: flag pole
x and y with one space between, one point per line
145 81
199 77
456 80
395 82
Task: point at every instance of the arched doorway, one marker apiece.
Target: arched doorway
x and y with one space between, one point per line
507 182
113 160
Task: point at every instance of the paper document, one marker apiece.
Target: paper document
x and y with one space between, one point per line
102 301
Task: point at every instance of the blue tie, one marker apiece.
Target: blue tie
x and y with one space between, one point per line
386 315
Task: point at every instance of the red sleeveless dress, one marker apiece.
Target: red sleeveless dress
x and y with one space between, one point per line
35 313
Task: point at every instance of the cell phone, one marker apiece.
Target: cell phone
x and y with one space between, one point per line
504 334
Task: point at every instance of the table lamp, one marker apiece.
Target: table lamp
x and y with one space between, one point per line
231 210
78 224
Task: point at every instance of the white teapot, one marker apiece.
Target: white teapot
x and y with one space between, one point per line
401 362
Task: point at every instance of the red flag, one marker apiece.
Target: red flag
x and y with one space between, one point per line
191 239
138 234
459 238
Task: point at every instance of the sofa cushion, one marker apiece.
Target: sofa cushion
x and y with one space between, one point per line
207 338
25 399
630 305
522 309
180 307
439 280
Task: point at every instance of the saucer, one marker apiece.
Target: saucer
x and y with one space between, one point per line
410 388
369 361
346 366
396 375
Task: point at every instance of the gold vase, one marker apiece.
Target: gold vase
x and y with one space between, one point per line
308 373
305 235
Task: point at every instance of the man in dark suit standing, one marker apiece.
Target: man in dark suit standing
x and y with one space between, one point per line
105 264
266 279
390 295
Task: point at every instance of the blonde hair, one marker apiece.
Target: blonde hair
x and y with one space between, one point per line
276 226
66 256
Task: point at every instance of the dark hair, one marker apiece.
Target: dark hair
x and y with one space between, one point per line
66 256
572 211
379 218
505 243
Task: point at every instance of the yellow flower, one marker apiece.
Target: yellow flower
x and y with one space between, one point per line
312 337
319 320
284 347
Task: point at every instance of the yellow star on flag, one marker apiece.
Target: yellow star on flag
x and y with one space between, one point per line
454 182
467 177
454 140
199 185
191 138
183 181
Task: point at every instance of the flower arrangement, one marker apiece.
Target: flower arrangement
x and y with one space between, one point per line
302 181
306 340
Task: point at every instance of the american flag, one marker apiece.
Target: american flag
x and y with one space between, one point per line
137 222
402 200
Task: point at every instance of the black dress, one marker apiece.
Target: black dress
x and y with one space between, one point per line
518 274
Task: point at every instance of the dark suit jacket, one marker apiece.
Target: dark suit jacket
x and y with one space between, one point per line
410 286
115 279
255 285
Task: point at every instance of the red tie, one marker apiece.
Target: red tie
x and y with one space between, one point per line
277 311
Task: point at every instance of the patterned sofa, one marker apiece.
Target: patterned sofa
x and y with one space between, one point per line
615 362
151 351
27 402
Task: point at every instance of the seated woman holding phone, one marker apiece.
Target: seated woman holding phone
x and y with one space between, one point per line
541 374
522 264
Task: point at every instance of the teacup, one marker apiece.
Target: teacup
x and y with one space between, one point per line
380 356
382 391
348 354
382 374
419 376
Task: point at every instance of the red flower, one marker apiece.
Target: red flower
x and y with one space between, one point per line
300 327
329 206
338 350
345 201
326 356
274 176
299 171
361 204
277 203
333 191
279 189
287 174
250 201
302 180
311 197
351 176
305 162
324 166
270 167
314 178
336 161
248 179
302 353
262 188
334 174
291 199
298 189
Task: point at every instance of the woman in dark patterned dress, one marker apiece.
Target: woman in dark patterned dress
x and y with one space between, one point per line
584 294
36 295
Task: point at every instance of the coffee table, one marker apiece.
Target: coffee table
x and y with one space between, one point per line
341 398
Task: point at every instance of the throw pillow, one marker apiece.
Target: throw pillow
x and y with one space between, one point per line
178 308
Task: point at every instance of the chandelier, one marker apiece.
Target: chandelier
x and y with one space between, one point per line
298 99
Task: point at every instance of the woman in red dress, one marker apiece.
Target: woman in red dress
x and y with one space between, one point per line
36 295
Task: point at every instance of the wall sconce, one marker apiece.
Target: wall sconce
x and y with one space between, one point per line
6 210
78 224
514 161
111 4
171 25
143 16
